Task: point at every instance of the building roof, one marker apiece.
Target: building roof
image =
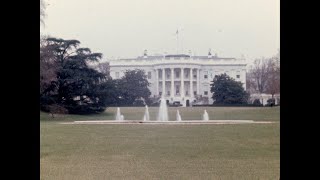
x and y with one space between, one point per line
175 56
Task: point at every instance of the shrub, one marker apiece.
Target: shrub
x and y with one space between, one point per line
271 102
257 102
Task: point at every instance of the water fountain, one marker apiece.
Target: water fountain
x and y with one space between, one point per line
119 117
146 116
205 116
178 116
163 111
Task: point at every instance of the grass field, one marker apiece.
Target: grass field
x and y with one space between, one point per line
191 113
243 151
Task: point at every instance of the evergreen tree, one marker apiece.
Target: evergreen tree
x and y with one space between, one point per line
77 87
228 91
133 88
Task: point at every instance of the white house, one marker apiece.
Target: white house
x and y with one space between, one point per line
179 77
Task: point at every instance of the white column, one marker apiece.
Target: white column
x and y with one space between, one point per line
182 83
172 82
198 82
191 83
163 83
157 82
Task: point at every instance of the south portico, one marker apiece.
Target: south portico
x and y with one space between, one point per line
177 83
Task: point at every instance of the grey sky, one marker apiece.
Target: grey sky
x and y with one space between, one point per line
124 28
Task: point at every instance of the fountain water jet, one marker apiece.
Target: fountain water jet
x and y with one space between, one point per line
205 116
178 116
119 116
146 116
163 111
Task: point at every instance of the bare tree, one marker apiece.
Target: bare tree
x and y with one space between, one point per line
273 85
258 75
48 65
264 76
42 11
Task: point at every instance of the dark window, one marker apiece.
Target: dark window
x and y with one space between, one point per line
206 93
187 92
195 76
238 76
195 92
177 90
160 93
149 75
205 76
177 74
168 93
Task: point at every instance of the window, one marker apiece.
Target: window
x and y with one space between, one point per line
195 76
177 90
206 93
160 93
206 76
195 92
238 76
177 74
149 75
168 93
187 93
117 74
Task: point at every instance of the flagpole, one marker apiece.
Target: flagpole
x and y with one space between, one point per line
177 41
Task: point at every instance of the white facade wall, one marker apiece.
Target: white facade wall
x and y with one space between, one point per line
205 66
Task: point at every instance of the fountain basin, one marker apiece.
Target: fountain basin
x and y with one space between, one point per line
170 122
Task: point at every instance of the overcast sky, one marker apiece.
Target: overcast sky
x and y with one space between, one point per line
124 28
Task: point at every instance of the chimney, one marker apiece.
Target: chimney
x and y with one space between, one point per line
209 54
145 55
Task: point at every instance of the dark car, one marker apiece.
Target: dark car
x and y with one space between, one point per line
176 104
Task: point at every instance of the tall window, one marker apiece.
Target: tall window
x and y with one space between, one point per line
195 92
205 74
177 74
206 93
177 90
149 75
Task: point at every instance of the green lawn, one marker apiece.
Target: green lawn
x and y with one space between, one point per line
146 151
191 113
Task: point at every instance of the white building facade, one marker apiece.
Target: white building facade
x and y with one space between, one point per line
181 78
